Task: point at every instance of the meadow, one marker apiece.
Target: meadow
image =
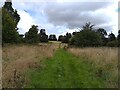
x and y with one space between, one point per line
105 59
36 56
19 58
52 65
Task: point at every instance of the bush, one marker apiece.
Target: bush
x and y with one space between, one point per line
86 38
112 43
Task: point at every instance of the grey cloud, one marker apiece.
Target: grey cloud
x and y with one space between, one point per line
70 15
76 14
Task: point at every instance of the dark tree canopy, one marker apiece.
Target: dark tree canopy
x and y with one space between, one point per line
13 13
8 6
64 39
74 33
42 31
102 33
42 35
86 37
52 37
118 38
88 26
9 24
111 37
60 38
67 37
32 35
112 41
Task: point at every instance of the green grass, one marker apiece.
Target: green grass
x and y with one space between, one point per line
64 70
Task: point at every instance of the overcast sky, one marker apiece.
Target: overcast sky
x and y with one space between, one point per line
61 16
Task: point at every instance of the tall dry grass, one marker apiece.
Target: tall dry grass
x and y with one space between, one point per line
17 59
105 60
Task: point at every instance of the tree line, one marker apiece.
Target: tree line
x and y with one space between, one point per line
87 36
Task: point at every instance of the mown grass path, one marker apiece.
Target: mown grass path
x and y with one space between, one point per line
64 70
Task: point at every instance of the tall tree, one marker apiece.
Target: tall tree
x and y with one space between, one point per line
118 38
111 37
32 35
112 41
88 26
0 26
52 37
9 24
60 38
74 33
102 33
42 35
67 37
86 37
13 13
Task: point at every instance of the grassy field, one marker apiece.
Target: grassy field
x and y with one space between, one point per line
19 58
105 59
47 65
66 71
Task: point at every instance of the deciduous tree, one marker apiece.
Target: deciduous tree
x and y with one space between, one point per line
32 35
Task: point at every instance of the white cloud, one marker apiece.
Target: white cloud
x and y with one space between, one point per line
25 22
111 12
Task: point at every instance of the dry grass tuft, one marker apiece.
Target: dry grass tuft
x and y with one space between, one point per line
18 58
104 59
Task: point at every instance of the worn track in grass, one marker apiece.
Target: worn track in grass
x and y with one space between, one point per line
64 70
